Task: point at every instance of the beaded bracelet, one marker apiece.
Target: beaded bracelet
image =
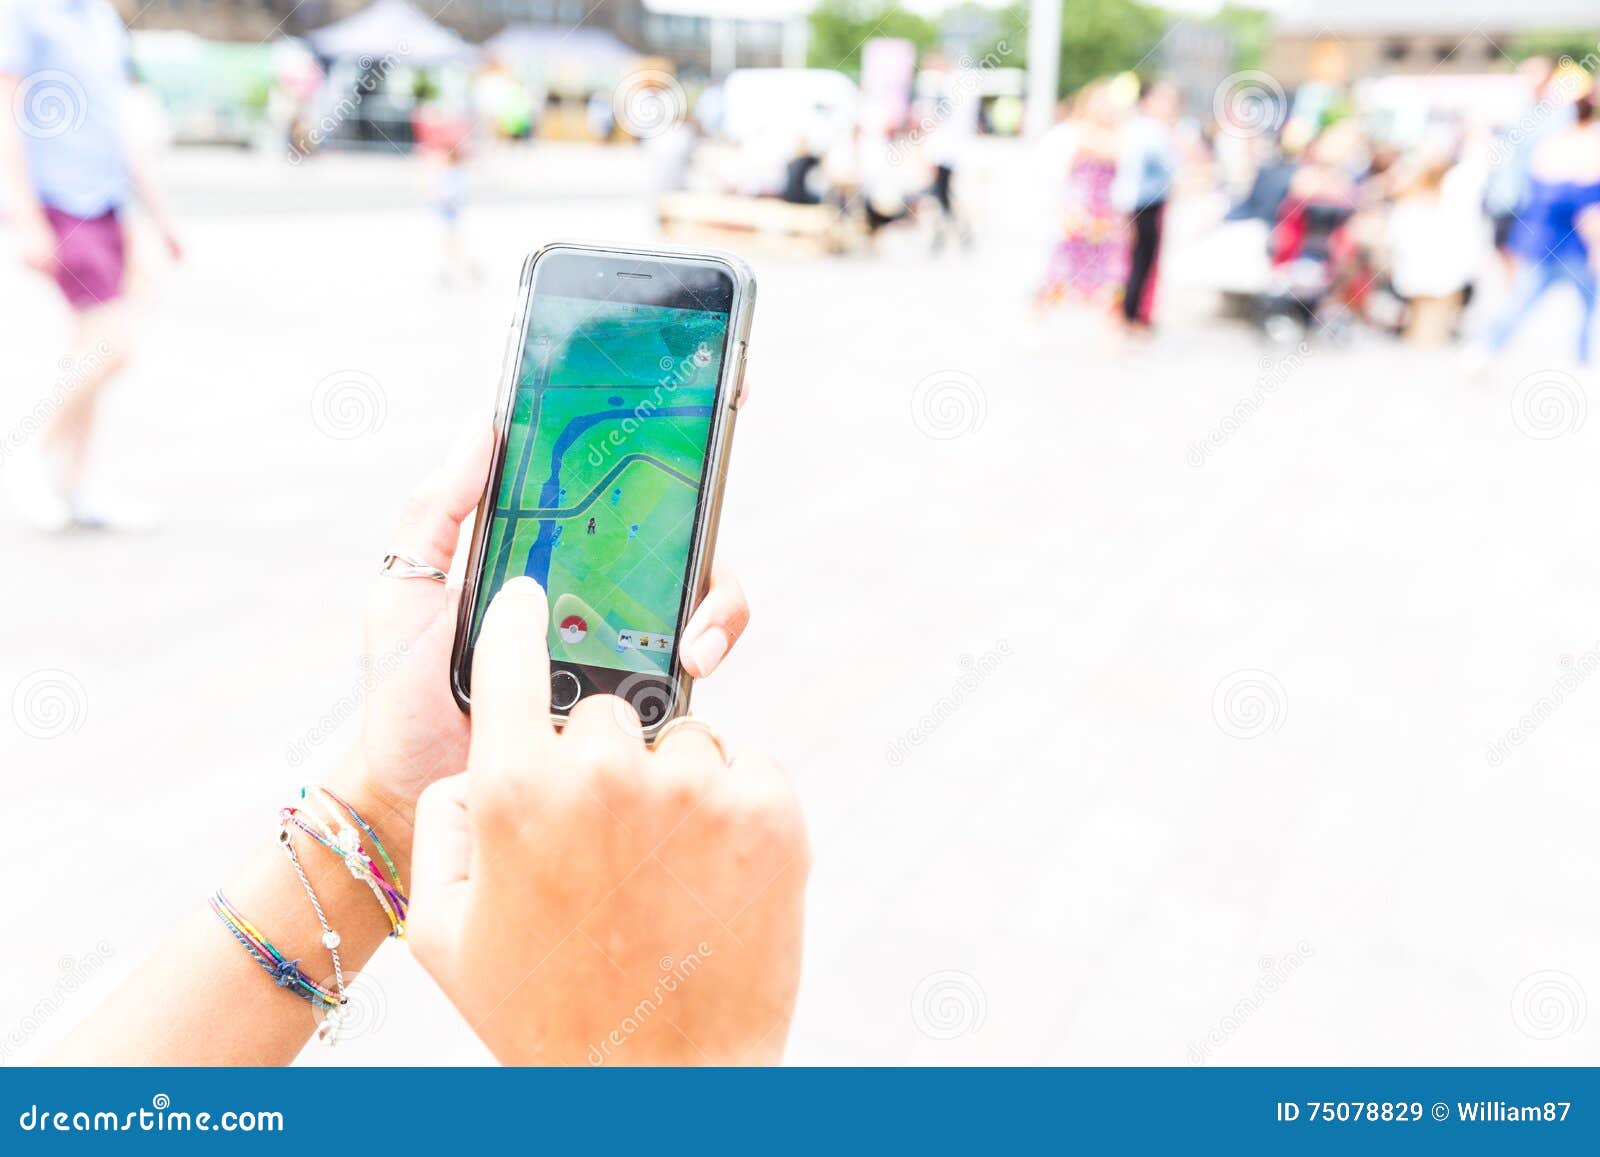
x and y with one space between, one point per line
285 972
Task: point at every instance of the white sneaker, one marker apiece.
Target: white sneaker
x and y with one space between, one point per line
33 483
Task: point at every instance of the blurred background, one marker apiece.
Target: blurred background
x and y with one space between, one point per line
1167 498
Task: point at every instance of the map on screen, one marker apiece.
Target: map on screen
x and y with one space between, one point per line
605 451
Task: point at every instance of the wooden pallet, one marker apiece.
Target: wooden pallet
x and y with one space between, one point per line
764 223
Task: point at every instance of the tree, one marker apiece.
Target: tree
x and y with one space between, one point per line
1098 38
1251 29
1580 46
1105 37
840 27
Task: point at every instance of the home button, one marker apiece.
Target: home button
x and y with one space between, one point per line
564 689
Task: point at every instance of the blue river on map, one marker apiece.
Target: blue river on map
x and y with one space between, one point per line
538 565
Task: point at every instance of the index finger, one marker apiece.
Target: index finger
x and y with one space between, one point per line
511 678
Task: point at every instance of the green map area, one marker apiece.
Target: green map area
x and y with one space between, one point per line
604 456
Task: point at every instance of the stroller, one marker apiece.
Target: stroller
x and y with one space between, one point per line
1311 284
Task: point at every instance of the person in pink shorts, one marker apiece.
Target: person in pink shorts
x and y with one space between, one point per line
66 179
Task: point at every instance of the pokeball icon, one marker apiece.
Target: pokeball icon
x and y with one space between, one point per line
573 629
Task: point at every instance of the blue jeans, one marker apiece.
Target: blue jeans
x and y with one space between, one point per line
1533 282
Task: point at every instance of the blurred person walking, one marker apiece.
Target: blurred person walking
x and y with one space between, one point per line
67 178
445 141
1437 242
1548 113
887 195
1089 261
1147 162
1556 232
951 124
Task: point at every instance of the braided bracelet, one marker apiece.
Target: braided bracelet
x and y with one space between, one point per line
285 972
330 938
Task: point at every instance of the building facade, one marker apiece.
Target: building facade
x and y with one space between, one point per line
1361 38
696 44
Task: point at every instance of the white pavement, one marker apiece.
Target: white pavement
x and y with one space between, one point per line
1109 757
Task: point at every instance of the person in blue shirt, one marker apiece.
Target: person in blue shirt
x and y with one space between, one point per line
1505 197
66 180
1557 229
1146 166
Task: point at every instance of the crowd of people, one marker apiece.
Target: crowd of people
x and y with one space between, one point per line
1352 227
1350 224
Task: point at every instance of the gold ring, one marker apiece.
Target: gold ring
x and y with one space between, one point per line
696 724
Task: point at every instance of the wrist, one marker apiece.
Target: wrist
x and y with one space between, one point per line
391 816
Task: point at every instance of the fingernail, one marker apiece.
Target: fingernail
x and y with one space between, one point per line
522 587
708 649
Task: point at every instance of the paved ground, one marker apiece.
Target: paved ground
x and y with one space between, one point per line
1109 757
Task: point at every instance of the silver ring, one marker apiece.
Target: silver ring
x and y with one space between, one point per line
409 566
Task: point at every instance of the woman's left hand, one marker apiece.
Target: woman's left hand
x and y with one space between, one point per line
413 732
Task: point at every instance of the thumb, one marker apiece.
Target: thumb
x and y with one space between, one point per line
441 863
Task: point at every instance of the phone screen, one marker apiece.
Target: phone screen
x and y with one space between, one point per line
600 488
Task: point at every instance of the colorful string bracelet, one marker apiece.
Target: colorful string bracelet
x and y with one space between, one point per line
394 872
285 972
359 866
345 842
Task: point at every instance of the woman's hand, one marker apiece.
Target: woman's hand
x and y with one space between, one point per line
585 900
413 732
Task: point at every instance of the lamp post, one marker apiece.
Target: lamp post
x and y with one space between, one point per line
1044 64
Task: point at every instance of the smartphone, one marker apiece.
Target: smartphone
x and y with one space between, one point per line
620 388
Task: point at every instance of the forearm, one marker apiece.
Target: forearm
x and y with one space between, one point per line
202 1000
149 195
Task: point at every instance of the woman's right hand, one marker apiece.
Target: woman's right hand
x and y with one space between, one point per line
38 246
584 899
